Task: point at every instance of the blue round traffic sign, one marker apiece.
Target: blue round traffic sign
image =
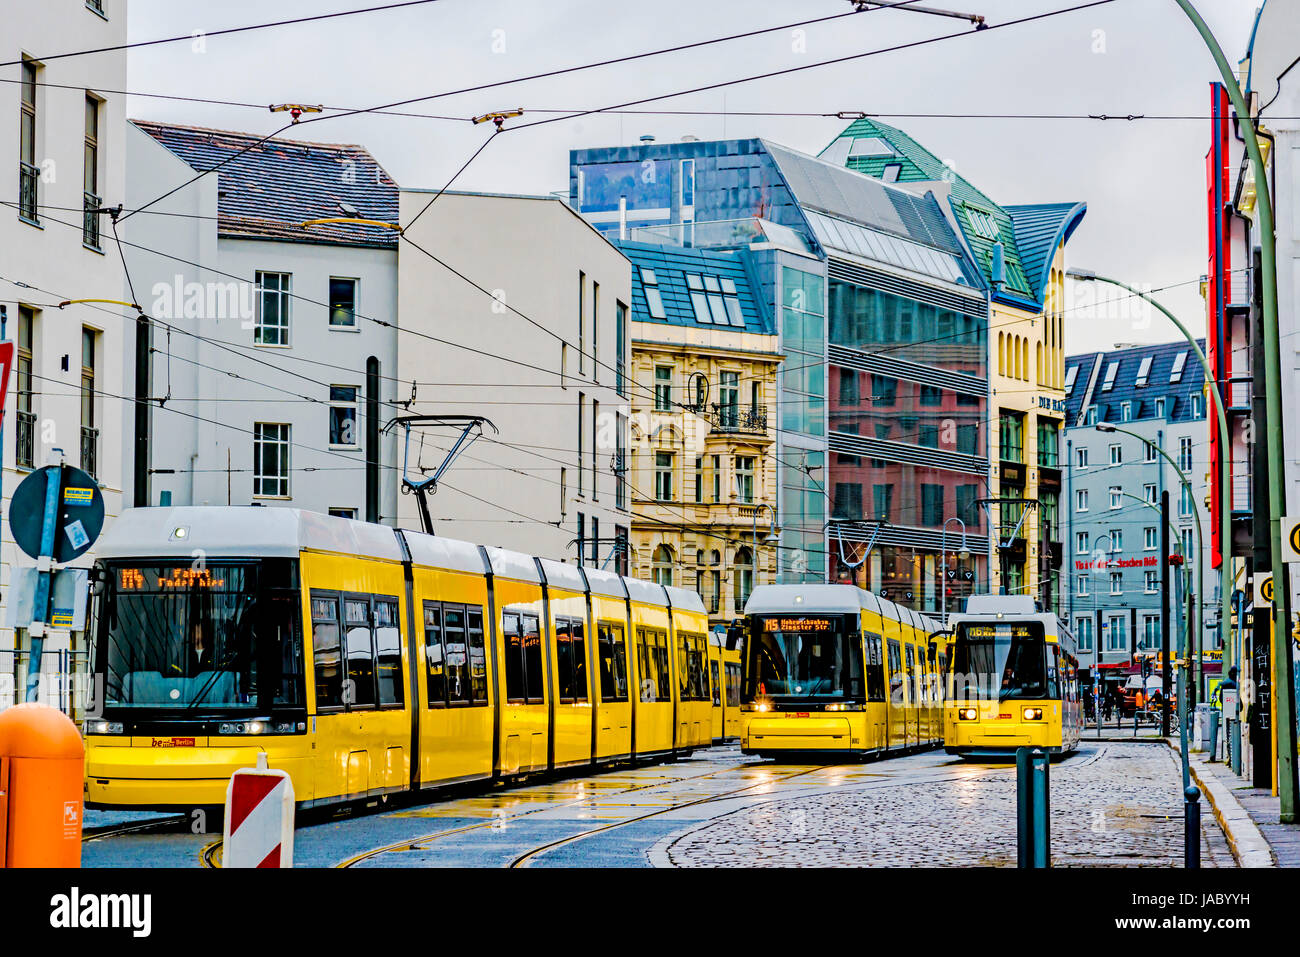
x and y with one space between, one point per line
78 513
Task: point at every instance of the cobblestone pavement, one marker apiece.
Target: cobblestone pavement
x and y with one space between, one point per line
1113 804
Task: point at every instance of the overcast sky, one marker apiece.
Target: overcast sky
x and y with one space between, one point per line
1144 181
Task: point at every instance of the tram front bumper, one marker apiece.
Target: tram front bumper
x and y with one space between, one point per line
764 735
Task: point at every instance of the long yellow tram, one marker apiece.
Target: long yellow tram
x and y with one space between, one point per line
368 661
1014 680
833 668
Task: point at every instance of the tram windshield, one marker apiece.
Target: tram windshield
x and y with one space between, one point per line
797 657
207 637
1000 660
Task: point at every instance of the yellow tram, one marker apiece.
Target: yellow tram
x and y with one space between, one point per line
1014 680
368 661
724 677
833 668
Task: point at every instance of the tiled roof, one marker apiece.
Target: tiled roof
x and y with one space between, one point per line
1040 230
917 164
266 192
1177 395
671 265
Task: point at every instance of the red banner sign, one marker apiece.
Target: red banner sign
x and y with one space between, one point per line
6 360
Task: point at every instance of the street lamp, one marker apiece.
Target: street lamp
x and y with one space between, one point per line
1225 445
963 553
771 538
1192 640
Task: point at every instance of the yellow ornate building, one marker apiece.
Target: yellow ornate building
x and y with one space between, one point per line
702 472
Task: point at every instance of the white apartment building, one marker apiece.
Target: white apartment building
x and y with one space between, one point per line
63 137
273 347
533 334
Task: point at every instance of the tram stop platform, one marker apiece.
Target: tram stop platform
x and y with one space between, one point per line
1248 815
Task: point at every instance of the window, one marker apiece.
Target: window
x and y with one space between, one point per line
1116 539
388 652
1150 632
1198 406
1149 539
1117 583
699 479
1081 458
1012 437
343 512
525 678
716 463
1148 452
1049 444
848 500
620 461
729 400
1116 455
1080 541
1081 500
29 174
932 505
89 434
612 648
1115 495
687 181
455 656
1090 417
1149 494
1081 586
570 660
1071 374
1126 411
582 321
25 443
653 300
595 422
1144 372
884 390
663 388
1186 536
326 651
271 460
875 667
699 302
931 396
1185 453
664 476
1083 632
661 569
343 303
882 497
595 334
849 387
620 347
1160 408
744 577
359 653
1112 370
1152 582
272 327
1185 501
343 416
745 478
582 415
1117 633
1176 373
90 175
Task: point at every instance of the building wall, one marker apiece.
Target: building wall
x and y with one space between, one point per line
525 486
709 539
52 260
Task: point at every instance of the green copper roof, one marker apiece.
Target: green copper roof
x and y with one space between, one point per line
973 209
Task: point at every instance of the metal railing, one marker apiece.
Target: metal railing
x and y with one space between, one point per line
715 604
89 450
61 680
25 447
732 418
29 177
90 220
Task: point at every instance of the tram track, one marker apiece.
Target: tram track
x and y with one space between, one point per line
112 830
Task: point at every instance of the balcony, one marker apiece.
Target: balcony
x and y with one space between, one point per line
89 450
731 418
28 178
714 603
25 448
90 219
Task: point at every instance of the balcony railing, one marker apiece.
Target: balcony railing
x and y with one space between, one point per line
732 418
28 178
90 220
89 450
715 603
25 450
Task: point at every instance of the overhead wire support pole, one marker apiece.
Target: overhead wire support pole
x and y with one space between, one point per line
1284 693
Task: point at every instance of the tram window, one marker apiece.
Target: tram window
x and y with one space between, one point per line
278 626
477 656
1053 687
717 690
646 663
564 653
388 653
875 668
359 688
577 639
457 658
684 666
701 664
326 656
855 667
733 685
534 673
514 655
665 674
613 662
911 674
435 662
895 673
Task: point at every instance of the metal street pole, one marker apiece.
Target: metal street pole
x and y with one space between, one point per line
943 578
1165 612
1191 646
1283 692
1225 460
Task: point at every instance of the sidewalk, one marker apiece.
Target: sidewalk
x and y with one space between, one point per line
1248 815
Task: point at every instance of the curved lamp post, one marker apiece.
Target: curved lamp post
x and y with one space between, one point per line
1283 696
964 552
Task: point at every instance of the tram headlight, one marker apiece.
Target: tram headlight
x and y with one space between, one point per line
762 706
1033 714
99 726
243 727
966 714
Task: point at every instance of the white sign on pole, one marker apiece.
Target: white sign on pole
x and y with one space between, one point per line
1291 539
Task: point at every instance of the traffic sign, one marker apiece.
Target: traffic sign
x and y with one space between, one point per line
6 362
80 516
1291 539
258 828
1263 589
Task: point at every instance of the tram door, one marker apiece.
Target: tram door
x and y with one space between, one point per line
897 697
914 711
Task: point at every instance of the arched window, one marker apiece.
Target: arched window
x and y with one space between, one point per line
1002 353
744 578
661 568
1024 349
1038 363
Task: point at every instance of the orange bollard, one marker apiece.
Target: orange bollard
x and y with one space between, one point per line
42 767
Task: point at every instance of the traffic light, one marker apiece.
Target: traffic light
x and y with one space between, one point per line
1146 667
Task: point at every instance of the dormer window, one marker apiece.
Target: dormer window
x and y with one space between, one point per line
349 209
982 223
1144 372
1071 374
714 300
1112 371
653 300
1176 373
870 146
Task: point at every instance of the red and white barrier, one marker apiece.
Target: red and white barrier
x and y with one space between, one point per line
258 830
